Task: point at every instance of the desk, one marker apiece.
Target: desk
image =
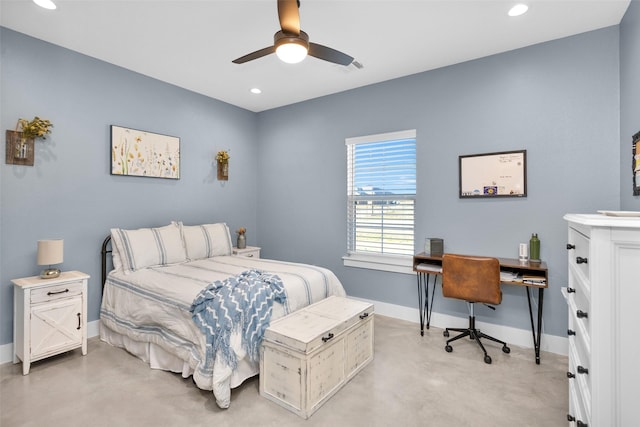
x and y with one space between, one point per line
426 266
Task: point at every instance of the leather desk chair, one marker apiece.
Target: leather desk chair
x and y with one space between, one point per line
473 279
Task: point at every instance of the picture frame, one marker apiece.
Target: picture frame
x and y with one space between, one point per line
141 153
635 163
493 175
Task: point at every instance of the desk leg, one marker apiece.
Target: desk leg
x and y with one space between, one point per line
424 306
420 278
433 291
536 331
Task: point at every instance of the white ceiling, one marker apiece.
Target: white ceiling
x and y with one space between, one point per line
191 43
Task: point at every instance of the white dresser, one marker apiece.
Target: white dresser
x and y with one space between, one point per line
603 295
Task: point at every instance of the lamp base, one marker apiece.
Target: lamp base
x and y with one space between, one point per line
50 273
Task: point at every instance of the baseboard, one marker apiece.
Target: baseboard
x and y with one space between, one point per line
6 350
514 336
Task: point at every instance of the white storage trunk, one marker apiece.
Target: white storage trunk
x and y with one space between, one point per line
309 355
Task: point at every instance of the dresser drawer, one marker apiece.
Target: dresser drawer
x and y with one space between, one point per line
55 292
577 410
580 340
579 254
580 375
579 294
581 325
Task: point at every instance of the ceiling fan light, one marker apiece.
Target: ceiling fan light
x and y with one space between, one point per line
47 4
291 52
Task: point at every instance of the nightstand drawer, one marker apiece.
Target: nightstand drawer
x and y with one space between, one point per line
55 292
248 252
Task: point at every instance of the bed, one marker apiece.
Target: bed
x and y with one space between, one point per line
159 272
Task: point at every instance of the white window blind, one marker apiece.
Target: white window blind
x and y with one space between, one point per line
381 193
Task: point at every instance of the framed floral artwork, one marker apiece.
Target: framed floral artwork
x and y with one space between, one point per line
139 153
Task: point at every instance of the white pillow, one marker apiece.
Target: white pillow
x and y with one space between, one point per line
115 255
148 247
207 240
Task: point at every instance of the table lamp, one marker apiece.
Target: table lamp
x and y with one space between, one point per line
50 252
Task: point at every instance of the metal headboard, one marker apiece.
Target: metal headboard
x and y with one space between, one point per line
104 253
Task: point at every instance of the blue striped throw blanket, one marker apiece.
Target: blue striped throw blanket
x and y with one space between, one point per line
242 303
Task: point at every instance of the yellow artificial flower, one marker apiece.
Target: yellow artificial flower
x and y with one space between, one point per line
222 156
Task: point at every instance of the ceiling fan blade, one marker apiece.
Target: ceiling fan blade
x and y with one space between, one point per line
289 16
255 55
328 54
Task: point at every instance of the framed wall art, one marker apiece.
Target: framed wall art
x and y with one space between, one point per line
139 153
635 163
502 174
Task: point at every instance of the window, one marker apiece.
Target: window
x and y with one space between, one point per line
381 193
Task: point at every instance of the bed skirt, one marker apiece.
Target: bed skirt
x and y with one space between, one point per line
163 358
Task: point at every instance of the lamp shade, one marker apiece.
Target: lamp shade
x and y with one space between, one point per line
50 251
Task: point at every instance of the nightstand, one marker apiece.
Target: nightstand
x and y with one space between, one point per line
50 316
249 252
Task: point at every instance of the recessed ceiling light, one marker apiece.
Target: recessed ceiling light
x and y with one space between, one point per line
47 4
519 9
256 90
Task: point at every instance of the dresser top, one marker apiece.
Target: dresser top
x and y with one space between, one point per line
616 219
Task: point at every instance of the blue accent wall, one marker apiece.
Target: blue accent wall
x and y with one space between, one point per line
69 192
558 100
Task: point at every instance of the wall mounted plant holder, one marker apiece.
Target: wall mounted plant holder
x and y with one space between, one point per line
223 170
222 159
19 150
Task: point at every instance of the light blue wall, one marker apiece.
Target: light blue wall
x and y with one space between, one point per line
629 100
69 192
558 100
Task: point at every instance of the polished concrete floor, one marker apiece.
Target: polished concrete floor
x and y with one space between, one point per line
412 381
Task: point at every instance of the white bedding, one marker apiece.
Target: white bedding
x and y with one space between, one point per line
151 305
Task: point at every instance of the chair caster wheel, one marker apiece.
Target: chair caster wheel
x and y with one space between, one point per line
487 360
448 348
506 349
446 333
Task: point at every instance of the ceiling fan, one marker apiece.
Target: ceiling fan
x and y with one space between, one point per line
291 44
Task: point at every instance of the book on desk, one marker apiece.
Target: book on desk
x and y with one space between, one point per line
429 267
534 280
510 276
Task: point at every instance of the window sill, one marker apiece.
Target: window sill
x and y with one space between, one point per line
394 264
